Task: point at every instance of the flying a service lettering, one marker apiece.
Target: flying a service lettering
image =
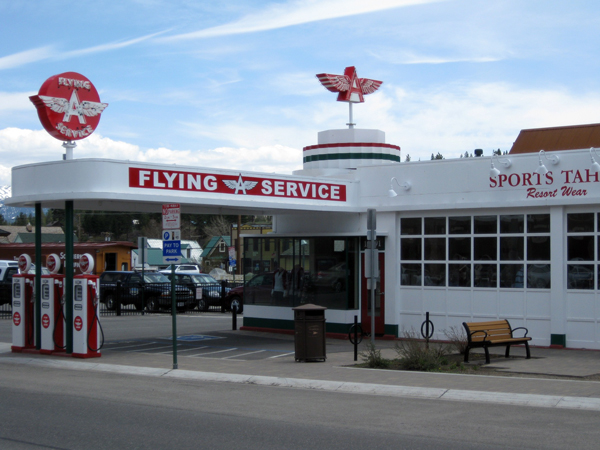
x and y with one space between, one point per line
235 185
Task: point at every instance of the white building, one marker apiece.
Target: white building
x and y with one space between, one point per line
459 240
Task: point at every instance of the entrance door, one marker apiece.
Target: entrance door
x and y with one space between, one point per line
365 302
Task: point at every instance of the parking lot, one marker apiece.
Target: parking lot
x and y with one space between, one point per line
199 336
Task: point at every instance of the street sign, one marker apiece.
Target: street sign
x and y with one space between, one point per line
171 246
171 213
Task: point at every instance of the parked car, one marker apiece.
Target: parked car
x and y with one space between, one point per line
256 290
8 268
538 276
152 291
206 290
186 268
333 278
580 276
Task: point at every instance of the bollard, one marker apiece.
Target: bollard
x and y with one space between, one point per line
234 318
427 334
118 298
353 336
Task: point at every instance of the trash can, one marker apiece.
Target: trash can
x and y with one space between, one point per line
309 336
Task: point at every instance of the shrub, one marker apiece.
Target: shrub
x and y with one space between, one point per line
414 354
457 338
372 357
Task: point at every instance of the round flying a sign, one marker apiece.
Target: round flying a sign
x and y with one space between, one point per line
68 106
53 263
86 263
24 263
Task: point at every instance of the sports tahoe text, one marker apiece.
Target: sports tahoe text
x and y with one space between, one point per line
540 186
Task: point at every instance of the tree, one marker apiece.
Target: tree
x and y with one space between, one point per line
407 159
23 219
217 226
438 156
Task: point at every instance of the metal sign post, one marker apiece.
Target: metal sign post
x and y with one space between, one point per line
371 266
172 254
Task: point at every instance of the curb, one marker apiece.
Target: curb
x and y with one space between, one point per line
534 400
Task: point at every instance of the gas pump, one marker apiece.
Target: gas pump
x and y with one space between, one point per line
53 315
88 336
23 329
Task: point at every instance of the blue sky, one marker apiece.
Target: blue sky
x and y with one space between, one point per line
232 84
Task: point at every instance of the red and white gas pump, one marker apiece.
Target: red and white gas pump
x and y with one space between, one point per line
88 336
23 308
52 306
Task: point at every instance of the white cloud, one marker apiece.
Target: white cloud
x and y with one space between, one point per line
461 118
26 57
451 119
406 57
15 101
107 47
282 15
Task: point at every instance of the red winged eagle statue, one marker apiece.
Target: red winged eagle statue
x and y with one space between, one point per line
350 88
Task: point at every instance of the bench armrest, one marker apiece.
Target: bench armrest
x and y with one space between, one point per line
520 328
485 335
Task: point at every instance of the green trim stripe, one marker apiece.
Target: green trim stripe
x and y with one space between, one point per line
332 156
330 327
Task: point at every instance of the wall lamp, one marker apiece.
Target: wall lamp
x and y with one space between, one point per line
494 172
595 165
542 170
392 193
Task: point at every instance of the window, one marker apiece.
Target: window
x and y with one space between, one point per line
581 253
484 251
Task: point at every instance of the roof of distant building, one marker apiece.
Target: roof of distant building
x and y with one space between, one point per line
557 138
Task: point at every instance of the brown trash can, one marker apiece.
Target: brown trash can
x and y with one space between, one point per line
309 335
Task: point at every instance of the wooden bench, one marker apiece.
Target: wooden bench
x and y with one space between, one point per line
495 333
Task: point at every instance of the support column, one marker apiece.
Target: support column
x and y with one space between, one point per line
38 276
558 293
69 274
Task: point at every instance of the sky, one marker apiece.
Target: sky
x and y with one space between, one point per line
231 84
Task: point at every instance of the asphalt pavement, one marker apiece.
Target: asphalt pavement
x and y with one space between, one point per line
250 357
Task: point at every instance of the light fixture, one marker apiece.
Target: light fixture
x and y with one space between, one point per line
595 165
494 172
542 170
392 193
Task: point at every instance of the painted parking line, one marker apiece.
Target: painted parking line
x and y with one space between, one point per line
280 356
212 353
130 346
142 350
183 350
244 354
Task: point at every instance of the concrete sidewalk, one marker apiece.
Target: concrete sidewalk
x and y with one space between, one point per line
337 374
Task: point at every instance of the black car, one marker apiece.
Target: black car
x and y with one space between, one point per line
152 291
206 290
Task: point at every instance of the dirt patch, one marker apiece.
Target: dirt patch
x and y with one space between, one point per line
454 363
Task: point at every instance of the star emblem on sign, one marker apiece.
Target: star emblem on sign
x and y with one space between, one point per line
240 185
350 88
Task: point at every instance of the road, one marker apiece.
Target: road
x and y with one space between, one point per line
61 409
48 407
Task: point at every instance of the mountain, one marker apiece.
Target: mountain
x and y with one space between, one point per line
10 212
